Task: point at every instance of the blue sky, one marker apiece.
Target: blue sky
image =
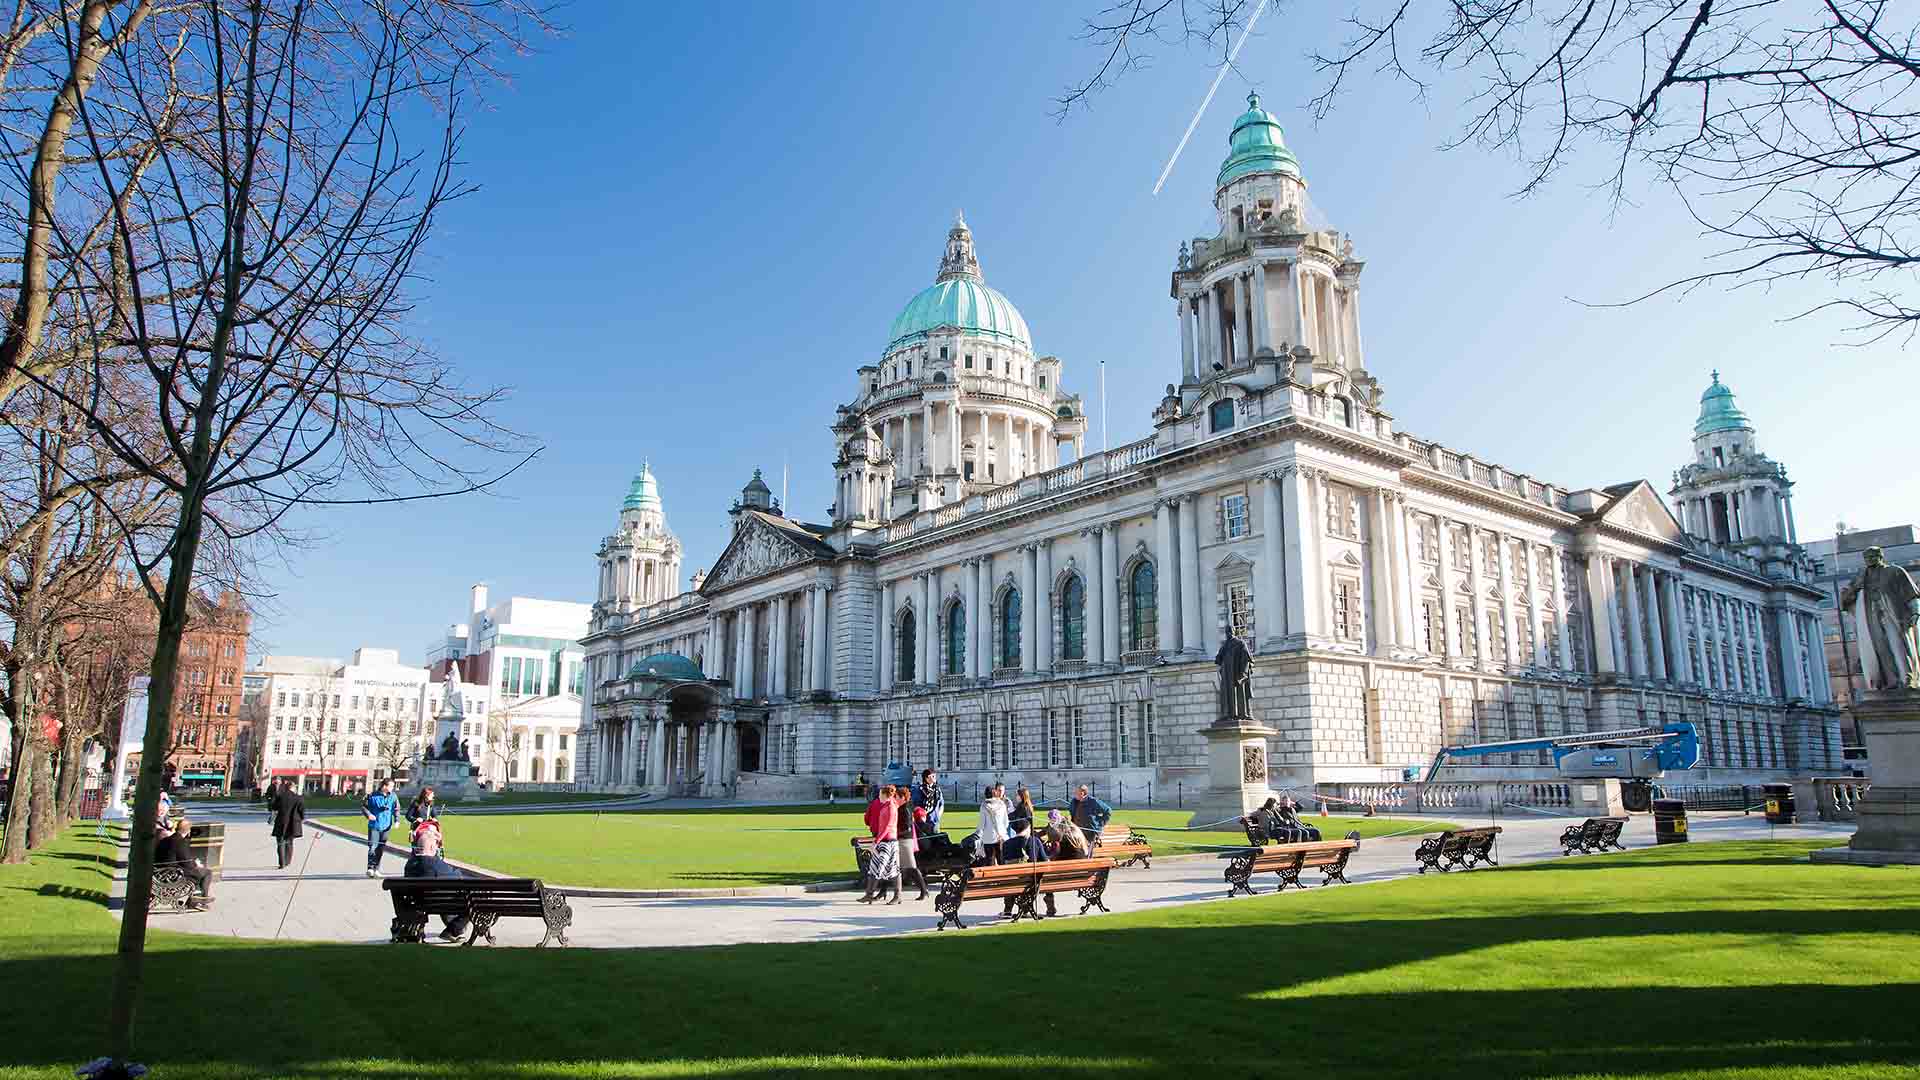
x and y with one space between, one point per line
692 229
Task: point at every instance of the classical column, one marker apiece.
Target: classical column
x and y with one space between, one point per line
1600 584
1657 640
1503 559
1166 566
1304 615
1406 571
1110 545
1029 594
1271 608
711 664
1537 602
1209 332
1242 319
751 613
1449 633
885 628
1380 562
657 752
1793 534
925 455
1043 605
1096 598
929 623
1478 588
970 584
1184 308
1193 635
822 644
1296 295
1789 654
983 598
1677 670
1262 333
1636 626
776 647
1556 566
955 421
629 757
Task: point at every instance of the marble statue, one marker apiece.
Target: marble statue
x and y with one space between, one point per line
1235 664
1880 600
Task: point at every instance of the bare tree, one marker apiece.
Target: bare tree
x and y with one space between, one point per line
1790 129
264 174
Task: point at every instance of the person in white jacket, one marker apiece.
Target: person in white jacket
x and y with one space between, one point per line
993 823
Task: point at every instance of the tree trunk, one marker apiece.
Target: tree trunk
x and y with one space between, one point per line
19 799
41 826
73 776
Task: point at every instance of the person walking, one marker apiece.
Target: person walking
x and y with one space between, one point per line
909 840
883 866
928 797
1090 814
381 808
289 811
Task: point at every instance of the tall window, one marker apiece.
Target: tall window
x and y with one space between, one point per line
1121 744
1054 760
1346 611
904 649
956 640
1010 629
1220 416
1073 620
1077 729
1009 743
1145 631
993 739
1233 516
1430 625
1240 609
1149 745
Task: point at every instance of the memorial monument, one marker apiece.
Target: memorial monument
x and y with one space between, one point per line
1236 742
445 766
1880 601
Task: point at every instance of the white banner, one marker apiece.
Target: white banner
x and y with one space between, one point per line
133 733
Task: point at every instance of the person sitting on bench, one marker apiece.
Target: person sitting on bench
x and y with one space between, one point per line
425 862
1278 823
175 849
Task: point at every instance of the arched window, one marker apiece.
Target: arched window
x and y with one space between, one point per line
1073 620
956 640
904 649
1146 619
1010 629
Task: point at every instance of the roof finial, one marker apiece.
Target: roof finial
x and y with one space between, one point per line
1253 99
959 219
1716 376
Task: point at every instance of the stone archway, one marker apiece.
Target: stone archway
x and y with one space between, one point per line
692 728
750 747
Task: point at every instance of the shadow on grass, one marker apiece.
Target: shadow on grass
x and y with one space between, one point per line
1168 998
746 878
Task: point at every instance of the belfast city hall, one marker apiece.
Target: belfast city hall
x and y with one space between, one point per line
990 599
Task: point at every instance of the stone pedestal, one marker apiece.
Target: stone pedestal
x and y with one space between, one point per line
1236 770
451 779
1889 723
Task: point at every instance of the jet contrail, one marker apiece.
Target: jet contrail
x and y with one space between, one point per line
1232 54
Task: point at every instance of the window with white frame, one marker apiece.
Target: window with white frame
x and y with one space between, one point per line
992 738
1431 626
1343 512
1054 747
1149 742
1010 741
1347 625
1233 516
1240 609
1077 729
1120 741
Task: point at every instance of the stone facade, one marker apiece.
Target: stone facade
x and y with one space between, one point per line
1056 622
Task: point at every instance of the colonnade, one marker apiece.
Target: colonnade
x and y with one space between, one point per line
734 636
1227 319
668 752
1744 512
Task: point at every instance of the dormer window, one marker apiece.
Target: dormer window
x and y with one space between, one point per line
969 361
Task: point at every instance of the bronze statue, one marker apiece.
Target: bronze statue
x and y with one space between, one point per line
1880 601
1235 664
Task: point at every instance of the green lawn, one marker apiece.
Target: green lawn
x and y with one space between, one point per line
695 849
1723 960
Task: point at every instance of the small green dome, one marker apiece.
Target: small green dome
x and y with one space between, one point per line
1256 146
971 306
644 493
669 666
1718 411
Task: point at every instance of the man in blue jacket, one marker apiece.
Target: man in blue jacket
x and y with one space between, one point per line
1090 814
381 809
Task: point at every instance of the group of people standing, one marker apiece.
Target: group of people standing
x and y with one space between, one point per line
901 818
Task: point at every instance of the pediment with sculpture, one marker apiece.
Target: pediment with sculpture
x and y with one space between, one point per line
756 550
1641 511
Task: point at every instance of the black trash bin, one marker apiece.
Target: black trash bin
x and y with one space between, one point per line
209 841
1669 821
1780 808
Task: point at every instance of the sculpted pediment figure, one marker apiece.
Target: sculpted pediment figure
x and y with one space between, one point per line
755 550
1642 511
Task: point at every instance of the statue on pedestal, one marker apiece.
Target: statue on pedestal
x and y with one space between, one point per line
1881 603
450 746
465 755
1235 664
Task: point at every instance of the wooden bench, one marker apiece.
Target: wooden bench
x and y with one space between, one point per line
1594 834
1457 847
1288 860
482 901
1024 884
1124 846
937 868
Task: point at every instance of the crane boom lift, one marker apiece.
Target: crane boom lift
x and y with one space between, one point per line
1626 753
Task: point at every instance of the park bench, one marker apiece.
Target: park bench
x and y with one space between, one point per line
172 890
936 867
1257 833
482 901
1024 883
1288 860
1124 846
1457 847
1594 834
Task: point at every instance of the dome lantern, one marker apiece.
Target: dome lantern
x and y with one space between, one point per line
961 299
1718 412
1256 146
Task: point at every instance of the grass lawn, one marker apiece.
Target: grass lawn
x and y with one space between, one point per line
694 849
1722 960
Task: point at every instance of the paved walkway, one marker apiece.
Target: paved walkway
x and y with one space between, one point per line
326 896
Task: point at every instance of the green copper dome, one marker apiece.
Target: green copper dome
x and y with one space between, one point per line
1256 147
959 297
669 666
644 494
1718 412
